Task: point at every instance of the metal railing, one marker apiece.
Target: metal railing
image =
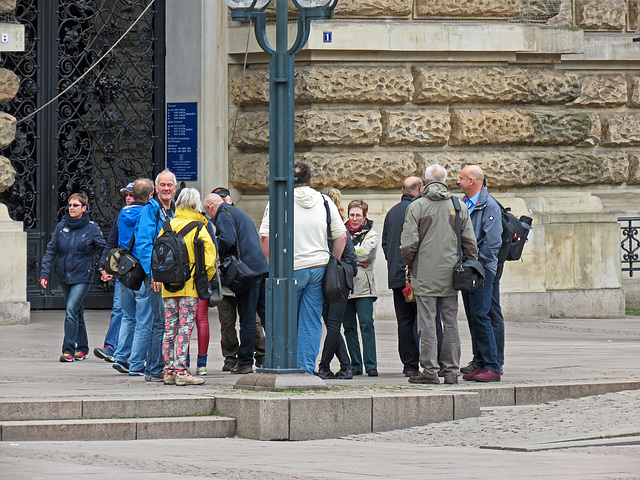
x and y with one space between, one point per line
630 245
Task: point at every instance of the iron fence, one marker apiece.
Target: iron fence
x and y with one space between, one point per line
630 245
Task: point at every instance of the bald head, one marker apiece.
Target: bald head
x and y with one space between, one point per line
212 203
412 185
471 180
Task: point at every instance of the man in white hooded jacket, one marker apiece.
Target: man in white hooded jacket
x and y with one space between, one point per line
310 258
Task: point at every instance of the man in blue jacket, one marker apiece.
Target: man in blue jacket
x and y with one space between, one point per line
129 356
236 233
486 336
157 210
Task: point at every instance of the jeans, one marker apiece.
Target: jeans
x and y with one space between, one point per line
75 330
133 339
247 311
155 360
363 307
333 342
310 300
111 338
438 354
495 314
406 316
477 304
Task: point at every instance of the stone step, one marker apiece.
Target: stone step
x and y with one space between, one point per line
109 408
118 429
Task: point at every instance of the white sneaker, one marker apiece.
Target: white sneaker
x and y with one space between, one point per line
202 371
188 379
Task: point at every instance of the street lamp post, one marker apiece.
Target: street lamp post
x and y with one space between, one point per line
281 296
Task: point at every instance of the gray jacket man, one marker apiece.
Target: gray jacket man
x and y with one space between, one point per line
429 246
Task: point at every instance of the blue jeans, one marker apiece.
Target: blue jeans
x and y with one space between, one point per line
75 331
135 329
495 314
155 360
310 301
363 307
477 304
111 338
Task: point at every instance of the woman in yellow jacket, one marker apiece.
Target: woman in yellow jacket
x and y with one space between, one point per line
180 307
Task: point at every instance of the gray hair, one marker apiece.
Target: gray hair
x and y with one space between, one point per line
435 173
190 199
166 171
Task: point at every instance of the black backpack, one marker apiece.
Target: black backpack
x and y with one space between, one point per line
514 235
170 257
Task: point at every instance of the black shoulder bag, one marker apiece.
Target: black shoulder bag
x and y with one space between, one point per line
468 274
338 275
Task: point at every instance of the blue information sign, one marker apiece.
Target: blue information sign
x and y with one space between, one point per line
182 140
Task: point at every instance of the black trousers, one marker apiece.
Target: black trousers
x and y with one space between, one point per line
334 342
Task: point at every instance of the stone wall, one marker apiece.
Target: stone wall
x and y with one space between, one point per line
548 129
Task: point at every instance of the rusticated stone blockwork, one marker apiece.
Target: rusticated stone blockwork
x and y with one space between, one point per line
634 168
354 85
634 90
494 85
374 8
512 169
314 127
415 127
380 170
7 174
7 129
620 128
7 5
602 91
469 8
254 85
601 14
9 84
634 14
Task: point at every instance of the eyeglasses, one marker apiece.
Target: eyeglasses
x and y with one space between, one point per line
355 215
75 205
128 194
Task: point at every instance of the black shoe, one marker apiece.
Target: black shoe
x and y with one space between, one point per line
410 372
372 372
104 353
324 373
344 374
228 366
471 366
121 367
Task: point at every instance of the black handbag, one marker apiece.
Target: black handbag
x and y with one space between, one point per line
468 273
337 282
112 260
236 275
130 272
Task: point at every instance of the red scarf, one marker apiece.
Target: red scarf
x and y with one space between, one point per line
352 230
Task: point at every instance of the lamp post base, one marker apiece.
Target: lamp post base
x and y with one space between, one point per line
273 382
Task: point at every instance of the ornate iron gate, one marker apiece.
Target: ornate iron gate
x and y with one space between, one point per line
104 132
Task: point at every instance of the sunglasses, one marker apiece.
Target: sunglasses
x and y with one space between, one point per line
75 205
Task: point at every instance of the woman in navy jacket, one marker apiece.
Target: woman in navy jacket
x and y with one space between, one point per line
75 242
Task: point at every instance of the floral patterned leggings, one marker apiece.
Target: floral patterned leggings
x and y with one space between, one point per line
179 317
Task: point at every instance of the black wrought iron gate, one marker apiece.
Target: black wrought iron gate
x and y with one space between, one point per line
104 132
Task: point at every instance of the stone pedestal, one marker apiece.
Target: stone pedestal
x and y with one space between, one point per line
14 308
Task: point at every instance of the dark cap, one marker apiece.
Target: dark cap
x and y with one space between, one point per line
128 188
223 192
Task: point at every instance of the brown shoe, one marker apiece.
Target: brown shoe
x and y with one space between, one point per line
422 378
242 369
169 379
188 379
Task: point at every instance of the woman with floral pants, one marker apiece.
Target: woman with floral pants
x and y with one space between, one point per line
180 306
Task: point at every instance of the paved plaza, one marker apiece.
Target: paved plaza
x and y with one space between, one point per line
504 442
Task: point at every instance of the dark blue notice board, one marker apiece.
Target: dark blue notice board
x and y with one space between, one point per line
182 140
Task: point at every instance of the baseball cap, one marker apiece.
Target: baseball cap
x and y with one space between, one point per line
128 188
223 192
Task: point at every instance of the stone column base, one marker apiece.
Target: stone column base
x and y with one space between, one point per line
15 313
